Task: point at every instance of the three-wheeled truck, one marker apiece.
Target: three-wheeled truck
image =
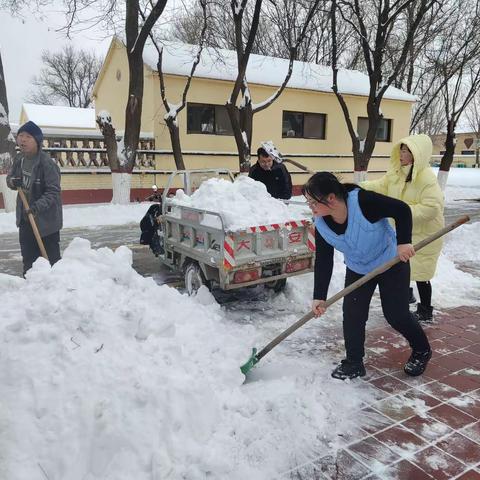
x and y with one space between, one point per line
198 243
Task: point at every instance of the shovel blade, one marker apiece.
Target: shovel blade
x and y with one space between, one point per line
250 363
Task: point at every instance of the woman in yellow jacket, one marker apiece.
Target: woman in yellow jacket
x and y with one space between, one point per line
410 178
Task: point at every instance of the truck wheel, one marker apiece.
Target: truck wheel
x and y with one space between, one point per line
278 285
194 278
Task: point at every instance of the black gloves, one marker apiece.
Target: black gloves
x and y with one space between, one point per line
16 182
31 210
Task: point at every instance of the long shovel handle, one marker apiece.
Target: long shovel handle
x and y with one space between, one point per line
366 278
299 165
31 218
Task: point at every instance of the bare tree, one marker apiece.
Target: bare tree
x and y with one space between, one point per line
457 95
373 24
171 117
429 115
278 25
67 77
187 25
138 19
241 116
456 55
7 143
472 114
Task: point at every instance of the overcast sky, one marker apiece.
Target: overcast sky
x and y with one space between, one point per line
22 41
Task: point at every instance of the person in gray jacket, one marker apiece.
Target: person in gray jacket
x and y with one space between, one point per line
39 177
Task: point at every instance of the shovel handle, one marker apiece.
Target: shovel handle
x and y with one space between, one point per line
31 218
366 278
299 165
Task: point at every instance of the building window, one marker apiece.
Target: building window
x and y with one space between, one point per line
303 125
384 129
468 152
208 119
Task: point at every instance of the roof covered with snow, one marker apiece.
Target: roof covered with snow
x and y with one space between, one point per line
222 65
63 121
59 116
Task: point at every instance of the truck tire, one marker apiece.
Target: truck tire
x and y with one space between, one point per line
277 285
194 278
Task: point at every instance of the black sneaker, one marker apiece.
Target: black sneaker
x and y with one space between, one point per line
411 296
349 369
423 314
417 363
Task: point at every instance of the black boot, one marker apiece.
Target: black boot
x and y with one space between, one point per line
417 363
411 296
423 313
349 369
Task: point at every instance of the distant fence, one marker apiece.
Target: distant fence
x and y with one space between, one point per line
460 161
88 158
88 154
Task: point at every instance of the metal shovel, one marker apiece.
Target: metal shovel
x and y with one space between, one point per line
256 357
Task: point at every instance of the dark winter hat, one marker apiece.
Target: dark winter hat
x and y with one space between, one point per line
34 130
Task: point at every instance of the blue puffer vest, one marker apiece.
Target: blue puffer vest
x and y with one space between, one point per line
364 245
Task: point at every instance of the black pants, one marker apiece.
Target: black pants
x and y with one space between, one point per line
31 251
394 294
425 293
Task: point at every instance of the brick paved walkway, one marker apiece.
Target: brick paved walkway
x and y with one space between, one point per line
419 428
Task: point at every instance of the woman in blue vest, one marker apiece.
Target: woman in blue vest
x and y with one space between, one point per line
354 221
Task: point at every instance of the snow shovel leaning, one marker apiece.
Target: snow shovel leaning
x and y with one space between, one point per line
256 357
31 218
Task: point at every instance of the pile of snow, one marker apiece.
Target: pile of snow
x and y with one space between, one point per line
106 375
243 203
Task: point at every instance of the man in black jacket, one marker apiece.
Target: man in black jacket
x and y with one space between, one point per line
39 177
272 174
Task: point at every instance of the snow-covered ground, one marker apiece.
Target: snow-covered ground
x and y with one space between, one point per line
88 216
106 375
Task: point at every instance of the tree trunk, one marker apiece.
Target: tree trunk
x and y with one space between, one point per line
7 145
121 180
246 125
133 112
121 183
239 120
176 146
447 158
450 142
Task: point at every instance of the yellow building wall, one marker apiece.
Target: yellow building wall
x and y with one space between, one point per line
111 92
97 180
268 125
458 159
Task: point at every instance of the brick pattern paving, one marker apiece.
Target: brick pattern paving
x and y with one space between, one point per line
423 428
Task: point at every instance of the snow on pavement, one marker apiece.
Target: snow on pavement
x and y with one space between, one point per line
107 375
88 216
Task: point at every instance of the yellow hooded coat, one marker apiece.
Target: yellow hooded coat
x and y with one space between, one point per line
422 194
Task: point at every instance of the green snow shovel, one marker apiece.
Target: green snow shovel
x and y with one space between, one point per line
256 357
